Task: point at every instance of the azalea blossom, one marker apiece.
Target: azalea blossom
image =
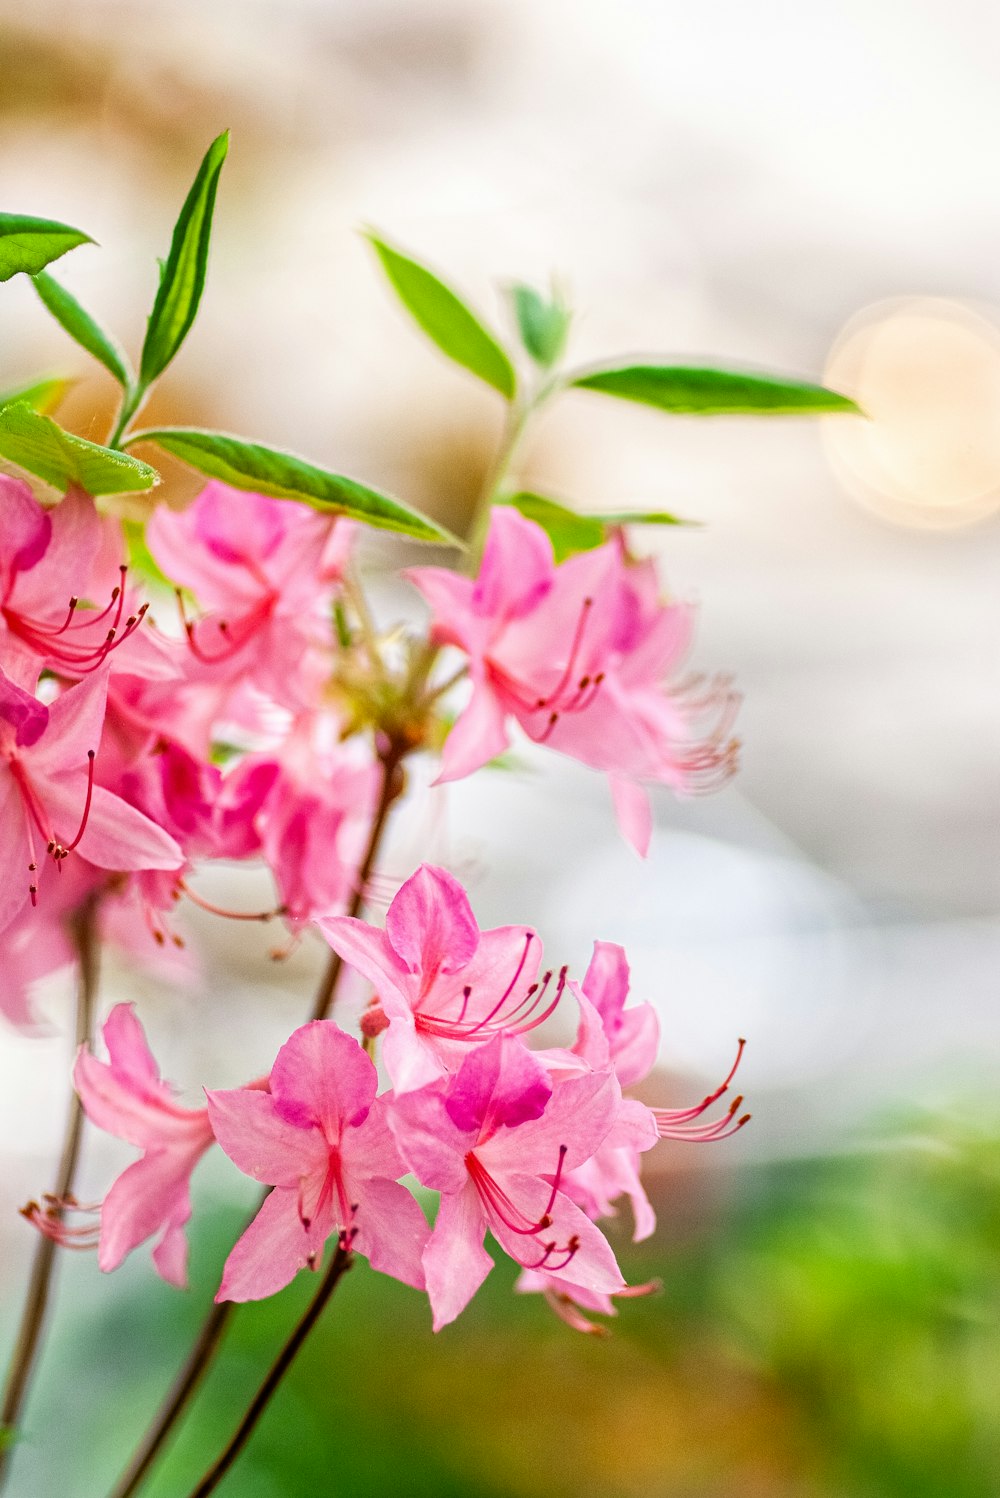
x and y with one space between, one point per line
320 1137
578 654
52 563
125 1096
496 1140
49 803
442 985
264 568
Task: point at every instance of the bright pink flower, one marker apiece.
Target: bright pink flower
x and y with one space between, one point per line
497 1141
125 1096
264 567
321 1139
578 655
49 804
442 984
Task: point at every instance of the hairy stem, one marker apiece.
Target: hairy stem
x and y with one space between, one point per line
29 1338
213 1328
339 1265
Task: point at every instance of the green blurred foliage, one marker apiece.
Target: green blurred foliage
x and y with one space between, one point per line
828 1332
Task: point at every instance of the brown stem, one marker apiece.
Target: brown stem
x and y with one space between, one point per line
339 1265
210 1337
29 1336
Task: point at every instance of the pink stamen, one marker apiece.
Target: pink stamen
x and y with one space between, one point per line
48 1219
60 851
231 915
234 639
51 641
496 1200
567 1310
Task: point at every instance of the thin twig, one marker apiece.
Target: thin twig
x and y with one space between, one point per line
36 1303
339 1265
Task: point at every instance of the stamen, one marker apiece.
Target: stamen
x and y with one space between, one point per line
496 1200
674 1123
232 915
567 1310
48 1219
60 851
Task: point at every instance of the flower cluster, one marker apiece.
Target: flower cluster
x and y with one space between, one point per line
534 1146
114 790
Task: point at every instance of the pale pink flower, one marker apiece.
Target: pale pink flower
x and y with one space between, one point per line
442 984
125 1096
321 1139
497 1140
578 655
264 568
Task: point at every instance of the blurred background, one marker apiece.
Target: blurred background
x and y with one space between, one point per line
800 187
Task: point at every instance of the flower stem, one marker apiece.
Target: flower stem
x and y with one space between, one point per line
339 1265
29 1336
210 1337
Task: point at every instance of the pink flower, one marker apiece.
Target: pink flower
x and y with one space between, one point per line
50 560
578 655
321 1139
49 804
125 1096
497 1141
307 807
442 984
265 568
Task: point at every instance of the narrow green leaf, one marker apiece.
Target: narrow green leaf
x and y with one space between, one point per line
29 244
82 327
266 470
611 519
571 532
542 323
140 559
692 390
38 444
41 395
182 278
446 319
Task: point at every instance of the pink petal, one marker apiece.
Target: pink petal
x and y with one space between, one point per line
271 1252
27 528
517 568
455 1261
116 835
260 1142
23 712
433 1148
430 923
392 1231
369 952
129 1052
579 1116
152 1192
479 735
502 1082
592 1265
411 1059
633 812
171 1255
322 1076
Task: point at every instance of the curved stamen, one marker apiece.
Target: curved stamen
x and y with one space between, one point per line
723 1128
52 640
235 639
60 850
496 1200
232 915
48 1219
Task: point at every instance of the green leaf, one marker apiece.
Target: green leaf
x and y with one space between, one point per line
182 278
38 444
82 327
42 395
446 319
571 532
266 470
542 323
140 559
611 519
692 390
29 244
